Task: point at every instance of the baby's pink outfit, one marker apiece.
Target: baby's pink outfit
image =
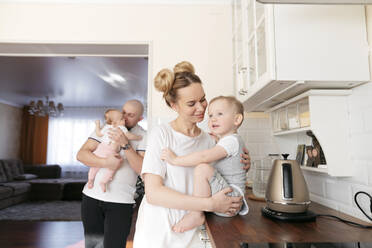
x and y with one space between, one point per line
103 150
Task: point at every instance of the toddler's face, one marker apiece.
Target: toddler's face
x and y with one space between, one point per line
221 117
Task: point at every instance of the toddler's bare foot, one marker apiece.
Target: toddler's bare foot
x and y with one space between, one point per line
90 184
189 221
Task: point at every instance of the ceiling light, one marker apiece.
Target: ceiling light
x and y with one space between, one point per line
45 108
114 79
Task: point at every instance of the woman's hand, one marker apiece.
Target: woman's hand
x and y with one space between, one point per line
221 203
168 155
246 159
118 136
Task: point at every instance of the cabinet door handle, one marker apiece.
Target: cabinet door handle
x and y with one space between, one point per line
243 92
242 69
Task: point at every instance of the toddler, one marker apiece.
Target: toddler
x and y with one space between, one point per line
226 114
114 119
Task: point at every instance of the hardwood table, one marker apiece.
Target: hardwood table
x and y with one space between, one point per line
255 228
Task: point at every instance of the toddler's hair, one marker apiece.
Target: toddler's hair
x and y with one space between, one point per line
236 104
108 120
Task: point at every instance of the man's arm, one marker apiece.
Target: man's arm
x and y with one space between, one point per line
86 156
135 159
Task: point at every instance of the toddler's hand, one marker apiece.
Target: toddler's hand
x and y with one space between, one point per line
168 155
97 122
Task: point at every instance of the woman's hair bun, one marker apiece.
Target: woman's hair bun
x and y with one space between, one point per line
164 80
184 66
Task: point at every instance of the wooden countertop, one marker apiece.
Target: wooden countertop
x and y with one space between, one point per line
255 228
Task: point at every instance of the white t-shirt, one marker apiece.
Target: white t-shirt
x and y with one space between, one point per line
121 189
231 144
154 223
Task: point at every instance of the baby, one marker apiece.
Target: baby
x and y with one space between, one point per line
114 119
218 167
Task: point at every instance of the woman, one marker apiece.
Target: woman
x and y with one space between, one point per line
168 188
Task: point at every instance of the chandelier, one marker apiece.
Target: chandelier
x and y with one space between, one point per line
41 108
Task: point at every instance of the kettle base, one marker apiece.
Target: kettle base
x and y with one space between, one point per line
292 217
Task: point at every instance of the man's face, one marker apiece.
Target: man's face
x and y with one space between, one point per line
132 114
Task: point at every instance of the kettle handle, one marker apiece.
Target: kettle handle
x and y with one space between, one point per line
287 181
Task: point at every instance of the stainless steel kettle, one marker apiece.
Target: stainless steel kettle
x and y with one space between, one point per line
286 188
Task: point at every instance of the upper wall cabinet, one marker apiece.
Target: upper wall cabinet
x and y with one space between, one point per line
283 50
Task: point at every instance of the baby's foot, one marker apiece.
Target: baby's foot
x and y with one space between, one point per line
189 221
103 187
90 184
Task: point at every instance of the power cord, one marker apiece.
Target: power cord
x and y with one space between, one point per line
370 203
351 222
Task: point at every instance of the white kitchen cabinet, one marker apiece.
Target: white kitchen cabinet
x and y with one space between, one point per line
284 50
325 113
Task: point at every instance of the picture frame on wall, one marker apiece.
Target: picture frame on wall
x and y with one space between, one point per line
309 155
300 155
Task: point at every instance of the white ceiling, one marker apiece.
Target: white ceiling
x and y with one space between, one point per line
74 81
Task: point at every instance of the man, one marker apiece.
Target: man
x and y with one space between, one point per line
107 215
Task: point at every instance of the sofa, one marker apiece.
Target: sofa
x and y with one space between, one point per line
17 181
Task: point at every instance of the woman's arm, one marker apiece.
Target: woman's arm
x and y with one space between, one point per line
195 158
86 156
158 194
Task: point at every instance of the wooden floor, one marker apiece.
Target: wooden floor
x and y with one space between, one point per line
45 234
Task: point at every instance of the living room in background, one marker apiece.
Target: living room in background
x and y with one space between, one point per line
86 82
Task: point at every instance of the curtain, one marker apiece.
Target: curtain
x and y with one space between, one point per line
34 138
69 132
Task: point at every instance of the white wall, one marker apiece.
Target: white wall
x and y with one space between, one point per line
10 131
201 34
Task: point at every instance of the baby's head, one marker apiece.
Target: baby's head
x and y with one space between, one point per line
114 117
226 114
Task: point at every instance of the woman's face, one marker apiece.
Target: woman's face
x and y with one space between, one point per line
191 103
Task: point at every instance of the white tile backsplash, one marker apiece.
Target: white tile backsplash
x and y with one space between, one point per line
338 191
315 185
367 119
257 135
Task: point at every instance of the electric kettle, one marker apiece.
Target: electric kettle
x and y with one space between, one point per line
286 187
